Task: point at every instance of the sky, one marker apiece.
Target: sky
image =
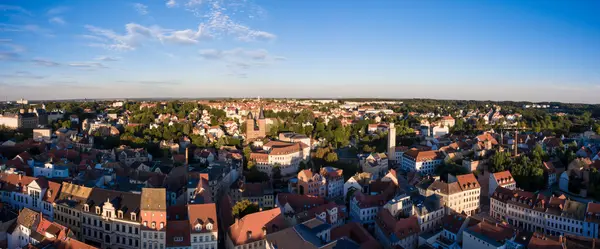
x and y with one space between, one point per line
481 50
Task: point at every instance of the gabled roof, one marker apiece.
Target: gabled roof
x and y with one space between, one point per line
28 218
202 214
250 228
178 229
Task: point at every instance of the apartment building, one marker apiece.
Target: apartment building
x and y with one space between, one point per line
424 162
461 195
204 231
392 232
153 209
310 183
19 191
501 179
335 181
111 219
555 215
377 164
487 235
261 193
251 231
69 205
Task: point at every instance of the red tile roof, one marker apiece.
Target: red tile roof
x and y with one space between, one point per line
202 214
504 178
178 229
467 182
250 228
420 155
402 228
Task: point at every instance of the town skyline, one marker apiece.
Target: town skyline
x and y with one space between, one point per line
514 51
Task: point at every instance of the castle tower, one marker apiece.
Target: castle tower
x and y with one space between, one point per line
392 145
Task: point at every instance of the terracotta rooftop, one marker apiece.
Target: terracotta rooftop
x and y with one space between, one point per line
250 228
467 182
202 214
420 155
541 241
178 233
504 177
357 233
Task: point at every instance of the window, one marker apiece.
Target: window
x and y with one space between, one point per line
162 225
153 224
145 223
97 210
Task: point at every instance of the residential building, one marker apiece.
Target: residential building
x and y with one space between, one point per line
286 155
251 231
21 120
471 192
38 194
447 121
453 226
312 234
488 235
365 206
424 162
359 182
550 173
429 212
554 215
50 170
310 183
261 193
335 181
153 208
294 138
178 234
204 230
24 228
375 163
392 232
111 219
501 179
400 206
129 156
68 206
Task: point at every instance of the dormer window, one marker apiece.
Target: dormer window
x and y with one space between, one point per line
133 216
145 223
97 210
209 227
86 208
198 227
154 224
162 225
120 214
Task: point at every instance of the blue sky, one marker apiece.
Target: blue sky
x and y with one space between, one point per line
498 50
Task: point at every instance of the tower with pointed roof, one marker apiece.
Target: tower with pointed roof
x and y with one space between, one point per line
256 128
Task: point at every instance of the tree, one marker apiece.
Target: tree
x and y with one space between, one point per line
276 172
331 157
499 162
66 124
243 208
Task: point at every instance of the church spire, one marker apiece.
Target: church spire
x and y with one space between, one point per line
262 113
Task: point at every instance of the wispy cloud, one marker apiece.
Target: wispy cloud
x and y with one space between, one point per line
141 9
90 65
12 8
171 3
22 75
107 58
32 28
239 60
218 22
8 56
159 82
45 63
57 10
57 20
135 34
9 51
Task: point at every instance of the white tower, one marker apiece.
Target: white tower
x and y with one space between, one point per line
392 144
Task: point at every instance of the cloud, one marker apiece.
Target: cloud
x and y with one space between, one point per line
239 60
135 34
22 75
87 64
239 54
159 82
171 3
8 56
217 23
4 27
12 8
107 58
14 50
57 10
141 9
57 20
46 63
